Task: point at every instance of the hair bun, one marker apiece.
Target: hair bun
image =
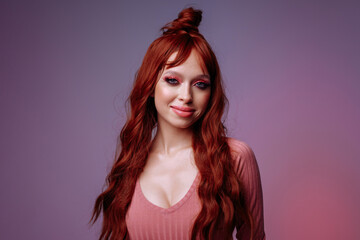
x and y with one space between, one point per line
188 20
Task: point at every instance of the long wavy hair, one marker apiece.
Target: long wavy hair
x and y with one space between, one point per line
220 190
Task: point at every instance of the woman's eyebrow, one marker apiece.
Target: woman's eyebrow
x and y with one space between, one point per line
201 76
174 73
204 76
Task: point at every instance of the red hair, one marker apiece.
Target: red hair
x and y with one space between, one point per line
220 190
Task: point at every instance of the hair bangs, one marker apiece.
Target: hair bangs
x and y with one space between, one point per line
183 46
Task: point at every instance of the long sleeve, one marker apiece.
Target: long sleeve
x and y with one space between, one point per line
248 171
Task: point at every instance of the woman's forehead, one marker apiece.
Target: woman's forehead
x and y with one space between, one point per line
194 54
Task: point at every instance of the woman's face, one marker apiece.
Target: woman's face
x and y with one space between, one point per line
182 93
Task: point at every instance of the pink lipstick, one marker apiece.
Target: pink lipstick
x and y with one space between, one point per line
183 111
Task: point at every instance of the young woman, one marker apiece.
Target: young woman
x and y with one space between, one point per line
177 175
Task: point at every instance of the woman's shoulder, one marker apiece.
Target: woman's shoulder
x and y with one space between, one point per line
239 147
242 155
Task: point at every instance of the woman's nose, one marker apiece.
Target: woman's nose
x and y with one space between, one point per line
185 93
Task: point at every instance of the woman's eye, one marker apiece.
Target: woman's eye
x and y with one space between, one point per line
202 85
171 81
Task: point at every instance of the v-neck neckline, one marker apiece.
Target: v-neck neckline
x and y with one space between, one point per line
177 205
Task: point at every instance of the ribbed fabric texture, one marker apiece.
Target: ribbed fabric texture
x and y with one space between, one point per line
145 220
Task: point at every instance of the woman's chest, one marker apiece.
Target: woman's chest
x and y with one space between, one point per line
145 220
164 183
167 189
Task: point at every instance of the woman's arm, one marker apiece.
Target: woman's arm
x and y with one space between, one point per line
248 171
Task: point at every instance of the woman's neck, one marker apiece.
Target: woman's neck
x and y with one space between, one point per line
169 140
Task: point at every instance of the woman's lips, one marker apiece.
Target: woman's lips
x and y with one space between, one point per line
183 111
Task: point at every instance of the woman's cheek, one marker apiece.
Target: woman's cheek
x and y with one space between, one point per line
164 94
205 99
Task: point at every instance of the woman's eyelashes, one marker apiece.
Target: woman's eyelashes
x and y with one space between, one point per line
202 84
199 84
171 80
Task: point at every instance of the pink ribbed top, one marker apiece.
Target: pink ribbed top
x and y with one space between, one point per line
145 220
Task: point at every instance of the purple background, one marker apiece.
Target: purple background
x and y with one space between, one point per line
291 70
